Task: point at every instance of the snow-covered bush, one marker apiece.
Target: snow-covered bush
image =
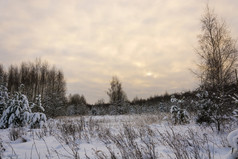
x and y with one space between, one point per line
174 110
179 116
18 112
37 120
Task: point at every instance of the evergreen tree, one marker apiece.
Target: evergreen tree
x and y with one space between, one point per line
179 116
18 112
213 108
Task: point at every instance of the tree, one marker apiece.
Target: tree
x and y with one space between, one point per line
3 74
117 97
13 79
179 116
77 105
18 112
116 93
3 95
38 79
100 102
217 52
213 108
55 94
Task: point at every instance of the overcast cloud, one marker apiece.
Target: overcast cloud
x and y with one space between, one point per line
148 44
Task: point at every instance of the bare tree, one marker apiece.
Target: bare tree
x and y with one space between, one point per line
116 94
3 74
217 52
13 80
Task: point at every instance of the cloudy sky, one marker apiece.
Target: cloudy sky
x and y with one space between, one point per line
148 44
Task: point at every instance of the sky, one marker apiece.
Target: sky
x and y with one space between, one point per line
148 44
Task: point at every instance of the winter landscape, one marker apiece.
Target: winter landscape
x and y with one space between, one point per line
118 79
124 136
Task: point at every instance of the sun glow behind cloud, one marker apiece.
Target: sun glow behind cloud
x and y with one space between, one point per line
149 45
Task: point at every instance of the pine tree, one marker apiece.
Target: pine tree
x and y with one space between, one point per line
179 116
18 112
213 108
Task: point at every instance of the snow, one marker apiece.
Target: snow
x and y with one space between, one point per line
233 142
232 137
92 140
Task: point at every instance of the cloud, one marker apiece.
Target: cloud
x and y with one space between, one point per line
147 44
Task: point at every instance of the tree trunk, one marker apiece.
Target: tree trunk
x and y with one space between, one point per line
236 77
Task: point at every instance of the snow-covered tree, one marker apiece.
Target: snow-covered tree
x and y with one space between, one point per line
3 96
18 112
174 110
204 107
38 78
212 107
54 97
179 116
37 106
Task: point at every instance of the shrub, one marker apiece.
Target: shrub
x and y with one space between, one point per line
179 116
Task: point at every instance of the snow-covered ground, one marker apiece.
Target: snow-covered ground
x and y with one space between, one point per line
125 136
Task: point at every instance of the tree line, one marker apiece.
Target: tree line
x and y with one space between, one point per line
38 78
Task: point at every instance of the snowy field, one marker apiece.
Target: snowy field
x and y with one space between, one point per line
126 136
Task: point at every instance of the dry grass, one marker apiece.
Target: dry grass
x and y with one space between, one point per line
134 137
